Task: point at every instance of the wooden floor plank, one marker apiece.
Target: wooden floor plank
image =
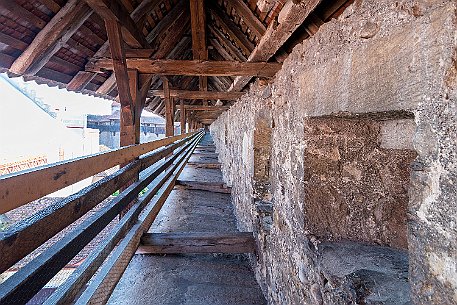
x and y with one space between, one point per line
204 186
197 242
205 165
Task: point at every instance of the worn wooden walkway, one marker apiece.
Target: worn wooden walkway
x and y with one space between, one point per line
195 279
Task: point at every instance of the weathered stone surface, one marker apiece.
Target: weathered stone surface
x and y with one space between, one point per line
387 62
354 189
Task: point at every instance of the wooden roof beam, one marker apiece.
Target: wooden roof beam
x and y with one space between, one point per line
227 44
198 95
248 17
218 83
113 10
221 50
170 44
205 108
290 18
232 30
167 21
191 67
51 38
82 78
142 10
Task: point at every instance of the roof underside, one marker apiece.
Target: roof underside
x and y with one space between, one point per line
235 30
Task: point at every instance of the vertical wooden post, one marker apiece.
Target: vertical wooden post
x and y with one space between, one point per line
130 134
182 116
116 43
198 28
169 110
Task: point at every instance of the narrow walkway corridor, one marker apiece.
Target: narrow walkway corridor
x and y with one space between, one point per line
195 279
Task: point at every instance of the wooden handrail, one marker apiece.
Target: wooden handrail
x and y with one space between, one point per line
25 283
162 186
30 233
25 186
109 274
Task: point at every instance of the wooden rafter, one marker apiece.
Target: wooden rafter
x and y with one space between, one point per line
191 67
13 7
218 83
232 30
114 10
175 35
197 95
167 21
51 38
227 44
81 79
221 50
248 17
108 85
291 17
167 47
144 8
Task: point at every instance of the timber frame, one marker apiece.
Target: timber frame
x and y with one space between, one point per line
208 51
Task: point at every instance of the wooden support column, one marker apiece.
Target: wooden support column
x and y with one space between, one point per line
182 116
169 110
116 43
199 49
132 135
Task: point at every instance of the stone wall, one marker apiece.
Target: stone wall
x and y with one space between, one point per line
347 160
